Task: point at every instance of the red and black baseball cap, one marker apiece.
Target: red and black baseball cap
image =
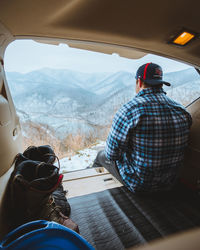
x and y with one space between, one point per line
151 74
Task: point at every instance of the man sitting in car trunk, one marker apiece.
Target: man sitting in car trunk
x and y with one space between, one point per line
145 147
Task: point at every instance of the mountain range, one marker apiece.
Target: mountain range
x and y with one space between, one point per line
70 101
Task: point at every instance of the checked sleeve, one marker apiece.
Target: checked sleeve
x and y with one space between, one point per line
118 137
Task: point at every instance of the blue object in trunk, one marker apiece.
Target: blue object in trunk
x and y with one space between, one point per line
46 235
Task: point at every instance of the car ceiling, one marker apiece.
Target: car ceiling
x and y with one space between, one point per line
120 24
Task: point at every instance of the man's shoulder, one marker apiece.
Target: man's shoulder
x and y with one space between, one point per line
171 101
176 104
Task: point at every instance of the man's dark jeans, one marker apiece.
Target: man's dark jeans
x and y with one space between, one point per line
102 161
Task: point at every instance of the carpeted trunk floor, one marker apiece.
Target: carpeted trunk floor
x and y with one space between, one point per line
117 218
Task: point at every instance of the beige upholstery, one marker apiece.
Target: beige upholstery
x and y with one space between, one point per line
189 240
191 170
10 132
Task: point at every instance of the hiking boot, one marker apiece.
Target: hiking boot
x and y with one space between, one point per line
28 188
46 154
30 195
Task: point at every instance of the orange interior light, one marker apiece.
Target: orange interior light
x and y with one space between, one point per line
183 38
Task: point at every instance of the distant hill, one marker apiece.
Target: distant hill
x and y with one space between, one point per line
69 101
181 77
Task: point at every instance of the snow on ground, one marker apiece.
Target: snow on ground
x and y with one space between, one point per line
83 159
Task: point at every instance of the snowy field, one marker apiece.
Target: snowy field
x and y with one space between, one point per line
83 159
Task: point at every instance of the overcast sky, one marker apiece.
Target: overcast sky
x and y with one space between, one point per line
26 55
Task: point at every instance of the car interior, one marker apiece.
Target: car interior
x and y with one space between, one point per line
110 217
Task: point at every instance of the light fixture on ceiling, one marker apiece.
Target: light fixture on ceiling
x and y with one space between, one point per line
183 37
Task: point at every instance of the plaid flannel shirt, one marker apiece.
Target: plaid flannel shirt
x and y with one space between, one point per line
147 140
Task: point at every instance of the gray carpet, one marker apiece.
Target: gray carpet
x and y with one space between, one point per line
116 218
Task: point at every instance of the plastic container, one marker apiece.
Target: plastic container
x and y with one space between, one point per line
43 234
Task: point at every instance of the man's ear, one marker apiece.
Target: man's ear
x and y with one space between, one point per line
140 83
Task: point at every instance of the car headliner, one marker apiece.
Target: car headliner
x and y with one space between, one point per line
108 25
